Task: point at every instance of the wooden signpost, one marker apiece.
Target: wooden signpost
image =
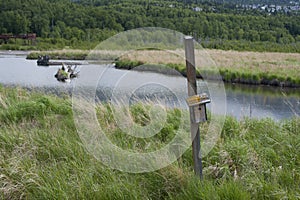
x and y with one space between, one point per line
197 104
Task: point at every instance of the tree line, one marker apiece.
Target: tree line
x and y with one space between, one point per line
90 20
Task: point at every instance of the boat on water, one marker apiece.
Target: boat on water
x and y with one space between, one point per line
66 73
45 61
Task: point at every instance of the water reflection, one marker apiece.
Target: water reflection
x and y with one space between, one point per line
251 101
263 101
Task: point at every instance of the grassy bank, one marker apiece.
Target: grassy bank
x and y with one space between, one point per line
45 44
59 54
72 54
276 69
227 75
42 156
170 68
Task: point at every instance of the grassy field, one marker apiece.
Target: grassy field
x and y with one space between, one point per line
42 156
278 69
76 54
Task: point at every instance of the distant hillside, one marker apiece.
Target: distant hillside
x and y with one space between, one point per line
275 2
69 22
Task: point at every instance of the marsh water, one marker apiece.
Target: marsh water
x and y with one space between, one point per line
240 100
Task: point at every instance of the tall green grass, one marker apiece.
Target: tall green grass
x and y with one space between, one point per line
68 55
42 156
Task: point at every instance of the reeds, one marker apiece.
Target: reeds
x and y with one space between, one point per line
42 156
276 69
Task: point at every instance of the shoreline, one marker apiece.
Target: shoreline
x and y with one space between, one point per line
252 68
226 75
13 52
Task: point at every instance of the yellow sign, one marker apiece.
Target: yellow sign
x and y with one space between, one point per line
193 99
198 99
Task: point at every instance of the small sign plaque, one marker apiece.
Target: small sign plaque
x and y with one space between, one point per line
197 104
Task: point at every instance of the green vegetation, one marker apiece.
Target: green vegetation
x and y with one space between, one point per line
83 24
71 54
255 78
59 55
169 68
45 44
42 156
229 75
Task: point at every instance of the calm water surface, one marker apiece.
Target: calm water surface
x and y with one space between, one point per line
240 100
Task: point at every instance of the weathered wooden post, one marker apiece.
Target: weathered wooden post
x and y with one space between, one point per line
197 104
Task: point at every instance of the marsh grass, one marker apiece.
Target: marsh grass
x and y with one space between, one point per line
42 157
73 54
277 69
59 54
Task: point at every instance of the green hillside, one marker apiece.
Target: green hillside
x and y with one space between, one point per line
77 23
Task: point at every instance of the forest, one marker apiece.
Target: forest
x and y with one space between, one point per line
215 25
